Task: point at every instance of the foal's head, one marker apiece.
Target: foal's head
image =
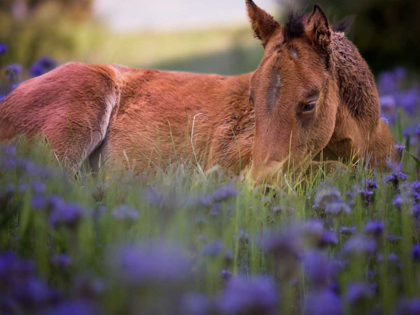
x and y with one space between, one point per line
293 92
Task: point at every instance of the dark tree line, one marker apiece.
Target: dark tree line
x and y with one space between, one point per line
387 32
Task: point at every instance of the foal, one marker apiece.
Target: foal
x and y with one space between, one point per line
312 93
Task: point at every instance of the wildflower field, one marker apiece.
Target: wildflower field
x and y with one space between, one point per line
184 241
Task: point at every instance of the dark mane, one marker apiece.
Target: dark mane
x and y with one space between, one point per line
294 27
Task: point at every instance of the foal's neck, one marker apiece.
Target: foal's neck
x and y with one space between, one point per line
355 82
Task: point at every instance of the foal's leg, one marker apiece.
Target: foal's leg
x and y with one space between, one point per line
72 106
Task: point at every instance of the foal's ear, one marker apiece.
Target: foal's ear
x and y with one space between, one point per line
262 23
318 28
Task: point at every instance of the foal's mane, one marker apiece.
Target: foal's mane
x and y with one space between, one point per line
354 79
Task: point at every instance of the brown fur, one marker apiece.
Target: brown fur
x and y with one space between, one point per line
143 118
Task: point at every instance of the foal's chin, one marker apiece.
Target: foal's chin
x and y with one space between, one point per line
280 173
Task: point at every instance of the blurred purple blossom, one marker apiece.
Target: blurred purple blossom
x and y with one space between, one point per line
64 213
318 268
61 261
374 228
243 237
337 208
248 296
224 193
226 274
213 249
393 238
395 178
358 245
20 285
79 307
323 302
150 264
3 49
13 72
415 253
197 304
39 202
408 307
42 66
125 213
358 291
328 238
348 230
367 196
397 202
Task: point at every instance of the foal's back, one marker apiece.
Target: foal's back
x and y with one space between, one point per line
142 117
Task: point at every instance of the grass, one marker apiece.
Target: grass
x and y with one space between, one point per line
217 224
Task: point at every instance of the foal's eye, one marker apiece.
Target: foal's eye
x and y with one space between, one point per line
309 106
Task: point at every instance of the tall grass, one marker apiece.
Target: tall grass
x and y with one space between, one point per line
175 242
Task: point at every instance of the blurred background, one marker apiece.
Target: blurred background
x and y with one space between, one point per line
202 36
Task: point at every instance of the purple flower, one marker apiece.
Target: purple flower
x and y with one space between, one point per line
415 187
33 292
408 307
327 195
358 291
392 259
197 304
388 108
385 120
61 261
150 265
415 253
393 238
79 307
13 71
213 249
248 296
287 245
39 187
125 212
39 202
318 268
345 230
367 196
36 70
243 237
3 49
388 82
370 184
408 99
224 193
63 213
42 66
24 290
395 178
337 208
374 227
400 148
358 245
226 274
328 238
397 202
323 302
